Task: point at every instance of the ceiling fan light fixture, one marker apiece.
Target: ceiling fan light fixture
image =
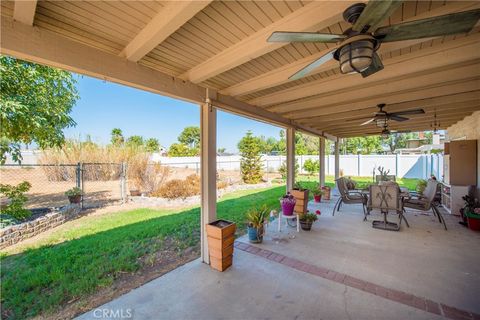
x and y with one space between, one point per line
381 122
356 56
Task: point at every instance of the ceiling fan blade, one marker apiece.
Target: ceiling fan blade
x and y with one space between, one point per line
397 118
367 122
374 67
315 64
286 36
374 14
361 118
454 23
403 113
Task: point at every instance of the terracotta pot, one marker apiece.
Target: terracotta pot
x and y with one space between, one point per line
75 199
326 192
135 193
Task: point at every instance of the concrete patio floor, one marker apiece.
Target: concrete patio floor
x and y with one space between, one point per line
423 260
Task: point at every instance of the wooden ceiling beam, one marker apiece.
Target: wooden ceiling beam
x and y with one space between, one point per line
389 94
280 75
412 119
452 52
420 125
163 24
428 112
48 48
314 16
24 11
441 102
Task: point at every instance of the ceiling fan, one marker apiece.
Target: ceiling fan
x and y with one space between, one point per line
381 117
356 47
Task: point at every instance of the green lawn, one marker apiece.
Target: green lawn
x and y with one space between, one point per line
311 181
73 263
84 255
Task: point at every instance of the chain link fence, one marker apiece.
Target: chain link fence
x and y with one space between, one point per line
101 183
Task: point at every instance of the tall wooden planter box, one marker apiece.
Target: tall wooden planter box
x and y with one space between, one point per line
220 237
301 197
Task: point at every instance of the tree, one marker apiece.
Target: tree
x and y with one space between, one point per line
190 136
221 150
35 105
135 141
181 150
250 163
116 137
311 166
152 145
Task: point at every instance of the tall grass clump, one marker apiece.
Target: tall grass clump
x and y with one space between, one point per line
102 163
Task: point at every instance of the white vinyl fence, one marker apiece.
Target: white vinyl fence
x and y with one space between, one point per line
403 166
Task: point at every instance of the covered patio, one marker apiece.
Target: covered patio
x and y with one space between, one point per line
342 269
216 54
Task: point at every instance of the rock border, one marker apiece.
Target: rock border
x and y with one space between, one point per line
19 232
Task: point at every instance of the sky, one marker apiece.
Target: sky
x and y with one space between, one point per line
104 105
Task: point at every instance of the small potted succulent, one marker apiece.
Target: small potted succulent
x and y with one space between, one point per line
74 195
288 202
317 194
256 218
306 220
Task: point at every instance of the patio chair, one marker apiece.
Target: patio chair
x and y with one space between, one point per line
386 198
425 202
348 196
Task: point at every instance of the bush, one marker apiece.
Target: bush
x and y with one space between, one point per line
17 197
7 220
283 169
178 188
311 166
145 176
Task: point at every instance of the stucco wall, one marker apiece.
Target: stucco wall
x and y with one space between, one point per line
470 129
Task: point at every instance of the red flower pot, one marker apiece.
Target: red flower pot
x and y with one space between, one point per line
473 222
317 198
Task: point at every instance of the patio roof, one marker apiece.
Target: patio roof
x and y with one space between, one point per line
181 48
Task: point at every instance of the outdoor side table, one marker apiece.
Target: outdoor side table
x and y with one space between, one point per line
293 216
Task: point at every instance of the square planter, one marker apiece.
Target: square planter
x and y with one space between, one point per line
220 237
301 196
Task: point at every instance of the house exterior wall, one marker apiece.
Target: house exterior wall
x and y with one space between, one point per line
468 128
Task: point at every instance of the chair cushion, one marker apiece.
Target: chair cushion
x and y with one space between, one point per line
416 203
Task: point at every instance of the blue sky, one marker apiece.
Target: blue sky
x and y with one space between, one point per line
104 105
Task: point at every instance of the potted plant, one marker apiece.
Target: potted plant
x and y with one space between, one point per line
317 194
256 218
306 220
301 196
288 202
471 212
74 195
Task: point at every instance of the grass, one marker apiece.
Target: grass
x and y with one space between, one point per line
312 181
76 262
84 255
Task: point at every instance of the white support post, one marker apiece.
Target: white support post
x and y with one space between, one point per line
208 158
290 158
321 161
337 159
